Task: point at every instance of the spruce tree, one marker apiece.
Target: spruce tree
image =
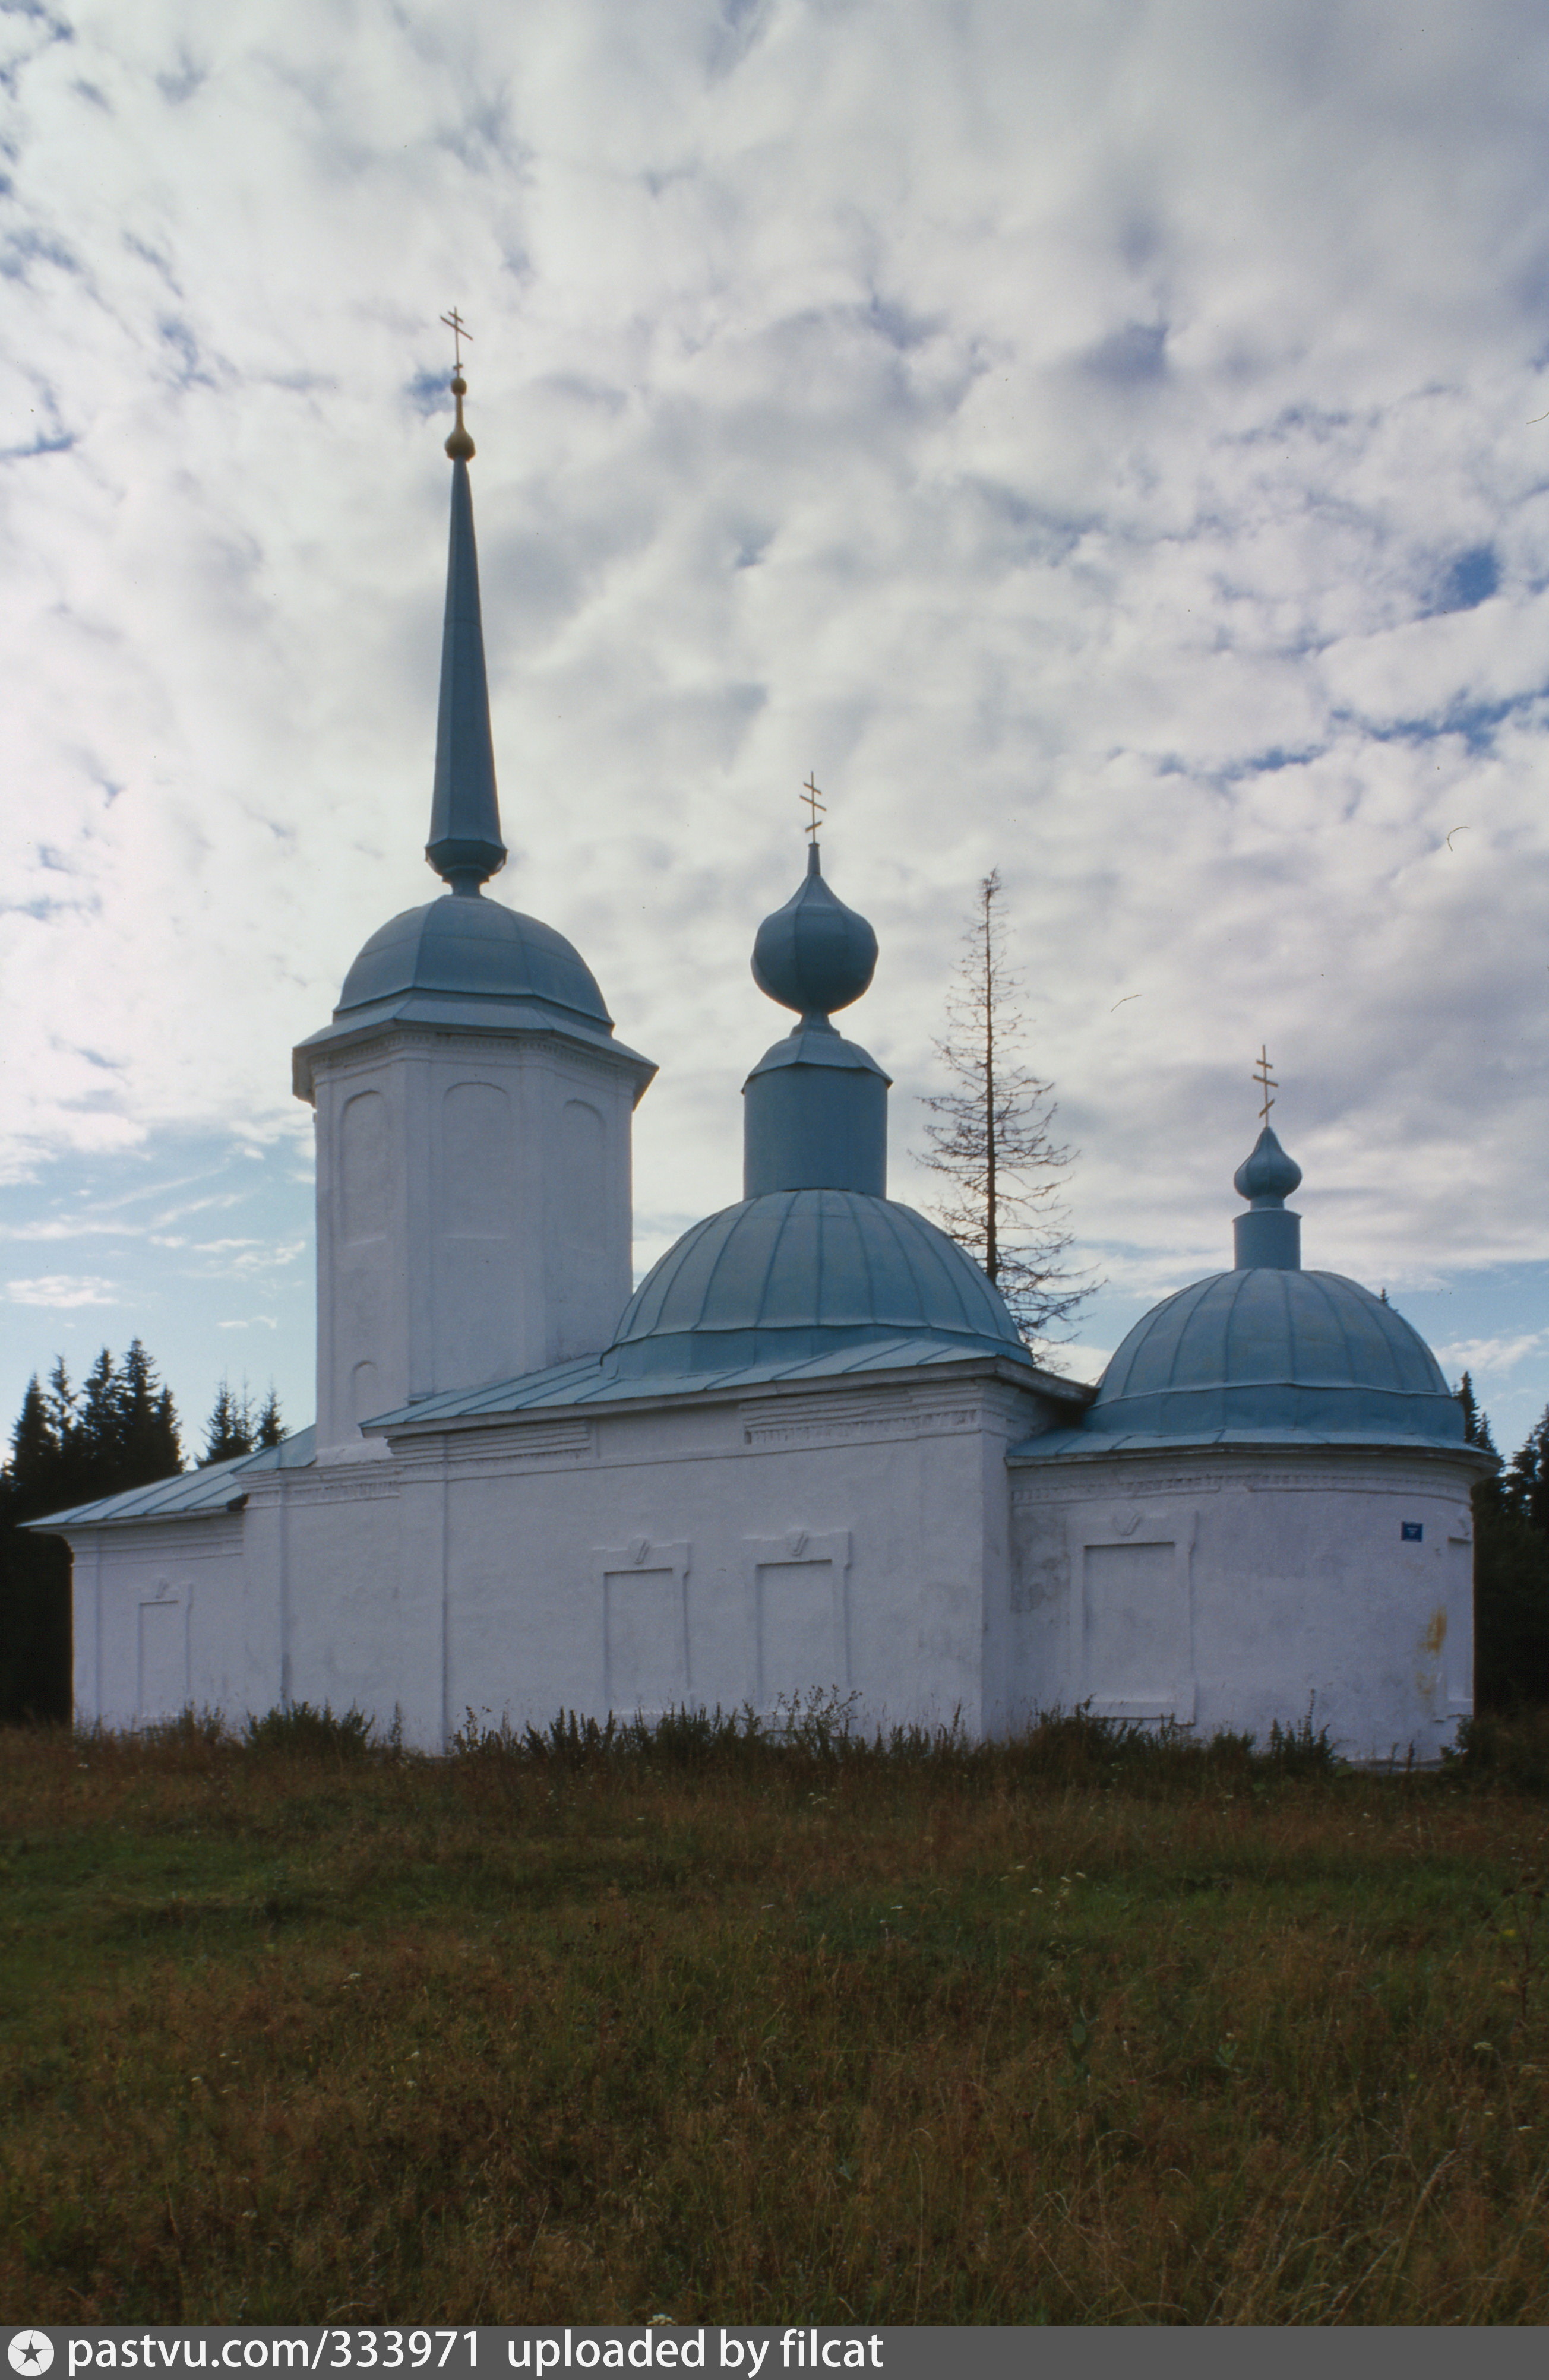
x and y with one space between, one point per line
67 1448
229 1431
1511 1567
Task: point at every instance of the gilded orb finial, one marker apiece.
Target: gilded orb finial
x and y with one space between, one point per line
459 445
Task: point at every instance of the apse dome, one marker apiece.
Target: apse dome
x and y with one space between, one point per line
472 949
801 1274
1274 1353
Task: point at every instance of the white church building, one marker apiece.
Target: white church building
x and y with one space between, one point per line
809 1453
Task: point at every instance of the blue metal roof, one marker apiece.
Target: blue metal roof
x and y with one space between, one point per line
1266 1354
189 1495
600 1380
797 1272
469 966
475 949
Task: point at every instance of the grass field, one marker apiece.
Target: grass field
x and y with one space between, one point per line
1081 2029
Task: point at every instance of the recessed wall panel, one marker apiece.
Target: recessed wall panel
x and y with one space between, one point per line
798 1647
1136 1654
647 1653
163 1660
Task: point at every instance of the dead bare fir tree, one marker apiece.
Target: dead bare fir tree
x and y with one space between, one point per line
993 1141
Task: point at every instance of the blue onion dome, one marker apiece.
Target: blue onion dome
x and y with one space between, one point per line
803 1273
1271 1352
472 950
1267 1176
814 954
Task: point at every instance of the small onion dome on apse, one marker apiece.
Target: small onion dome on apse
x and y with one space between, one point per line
815 1106
1267 1353
1269 1233
461 961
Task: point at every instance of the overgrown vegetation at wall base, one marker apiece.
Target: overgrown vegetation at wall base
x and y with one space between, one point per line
735 2024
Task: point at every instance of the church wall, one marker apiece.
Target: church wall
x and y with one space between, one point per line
473 1206
158 1621
849 1540
714 1553
1236 1591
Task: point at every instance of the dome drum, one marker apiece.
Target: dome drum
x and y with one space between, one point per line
815 1118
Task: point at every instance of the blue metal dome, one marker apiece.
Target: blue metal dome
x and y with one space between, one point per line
1266 1354
1272 1352
801 1272
472 949
814 954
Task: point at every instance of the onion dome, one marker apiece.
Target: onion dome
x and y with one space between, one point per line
1269 1233
805 1273
1267 1176
814 954
815 1106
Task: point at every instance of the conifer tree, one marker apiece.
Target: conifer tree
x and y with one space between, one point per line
993 1139
68 1448
1511 1567
269 1429
229 1431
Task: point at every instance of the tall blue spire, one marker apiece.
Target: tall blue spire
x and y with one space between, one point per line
465 846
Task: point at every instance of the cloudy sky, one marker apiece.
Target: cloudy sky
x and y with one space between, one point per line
1103 441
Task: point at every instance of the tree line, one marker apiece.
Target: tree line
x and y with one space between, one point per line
69 1446
1511 1566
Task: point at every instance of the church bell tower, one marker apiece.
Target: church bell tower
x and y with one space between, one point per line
473 1107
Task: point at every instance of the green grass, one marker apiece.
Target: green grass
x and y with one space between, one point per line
596 2025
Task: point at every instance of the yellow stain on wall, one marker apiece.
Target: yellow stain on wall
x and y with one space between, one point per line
1435 1634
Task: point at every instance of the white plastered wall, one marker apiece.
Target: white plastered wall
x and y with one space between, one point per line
473 1216
824 1539
1236 1591
158 1620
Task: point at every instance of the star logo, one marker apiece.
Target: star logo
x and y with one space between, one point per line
30 2351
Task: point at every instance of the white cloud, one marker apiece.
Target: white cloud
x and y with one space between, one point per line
1486 1359
1064 428
62 1290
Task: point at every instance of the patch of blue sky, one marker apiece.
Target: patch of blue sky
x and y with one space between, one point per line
197 1244
1469 579
1130 356
1475 723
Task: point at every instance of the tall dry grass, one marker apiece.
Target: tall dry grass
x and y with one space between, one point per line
693 2021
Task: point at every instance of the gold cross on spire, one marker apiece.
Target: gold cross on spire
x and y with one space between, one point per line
1266 1083
816 806
460 332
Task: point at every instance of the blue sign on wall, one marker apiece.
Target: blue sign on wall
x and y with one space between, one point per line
1412 1532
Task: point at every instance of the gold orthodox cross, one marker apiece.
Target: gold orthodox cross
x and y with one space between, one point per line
1266 1083
816 806
460 332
